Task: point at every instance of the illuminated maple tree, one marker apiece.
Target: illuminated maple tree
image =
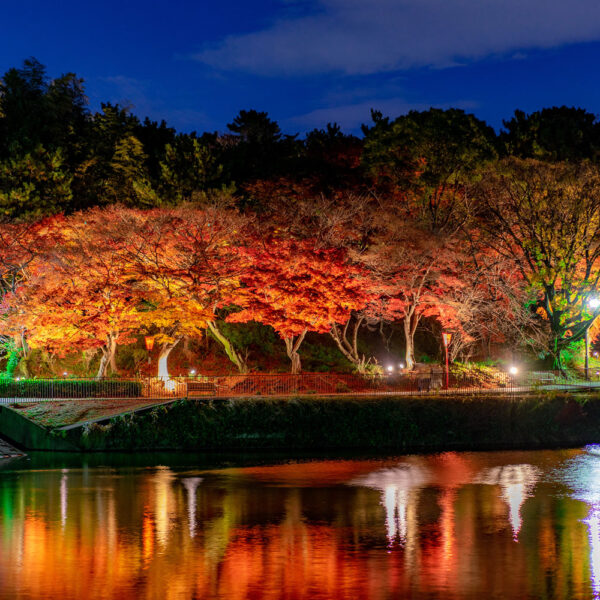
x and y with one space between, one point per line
296 287
416 274
80 296
188 261
22 248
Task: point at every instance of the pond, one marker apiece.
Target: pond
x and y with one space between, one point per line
452 525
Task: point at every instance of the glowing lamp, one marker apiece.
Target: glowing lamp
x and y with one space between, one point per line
446 337
513 370
193 372
390 368
594 302
149 340
401 366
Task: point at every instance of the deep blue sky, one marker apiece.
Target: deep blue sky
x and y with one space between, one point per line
307 62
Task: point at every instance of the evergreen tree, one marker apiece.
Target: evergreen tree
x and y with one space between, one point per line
129 182
34 185
188 171
260 150
554 134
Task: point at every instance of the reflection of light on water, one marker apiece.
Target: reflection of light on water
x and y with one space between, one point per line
191 485
63 498
395 502
162 482
583 476
517 483
593 523
593 449
397 486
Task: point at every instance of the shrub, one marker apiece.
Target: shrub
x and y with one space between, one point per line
69 388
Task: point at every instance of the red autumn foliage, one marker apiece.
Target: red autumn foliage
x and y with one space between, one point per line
296 287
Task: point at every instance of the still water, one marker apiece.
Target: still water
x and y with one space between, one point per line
453 525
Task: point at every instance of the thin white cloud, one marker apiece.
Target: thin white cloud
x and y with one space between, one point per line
352 116
139 98
129 92
357 37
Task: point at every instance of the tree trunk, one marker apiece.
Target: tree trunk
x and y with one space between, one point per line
108 356
14 356
163 357
410 326
103 365
558 364
21 349
113 361
23 344
234 356
349 348
292 346
187 350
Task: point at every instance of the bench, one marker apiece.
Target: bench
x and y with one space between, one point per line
200 388
541 377
423 384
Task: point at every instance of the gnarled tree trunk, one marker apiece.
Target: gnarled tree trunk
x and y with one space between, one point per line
108 356
410 326
234 356
163 357
292 345
349 347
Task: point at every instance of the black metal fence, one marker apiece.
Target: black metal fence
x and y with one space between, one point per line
282 384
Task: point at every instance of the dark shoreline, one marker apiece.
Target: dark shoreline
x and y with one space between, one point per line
343 424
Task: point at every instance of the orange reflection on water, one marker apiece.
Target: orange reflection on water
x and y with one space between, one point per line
417 527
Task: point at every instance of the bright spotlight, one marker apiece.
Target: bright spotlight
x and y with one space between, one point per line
594 302
390 368
193 372
513 370
401 366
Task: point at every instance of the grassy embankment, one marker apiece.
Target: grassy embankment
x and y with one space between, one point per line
372 423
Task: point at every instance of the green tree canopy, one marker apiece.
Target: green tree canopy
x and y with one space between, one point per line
555 134
34 185
428 155
545 218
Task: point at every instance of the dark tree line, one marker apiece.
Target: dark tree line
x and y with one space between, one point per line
56 155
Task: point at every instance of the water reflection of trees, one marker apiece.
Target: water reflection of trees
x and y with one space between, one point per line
517 483
399 487
409 528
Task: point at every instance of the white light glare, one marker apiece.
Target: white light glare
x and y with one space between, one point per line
390 368
513 370
193 372
401 366
594 302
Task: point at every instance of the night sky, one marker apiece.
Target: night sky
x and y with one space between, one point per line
307 62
